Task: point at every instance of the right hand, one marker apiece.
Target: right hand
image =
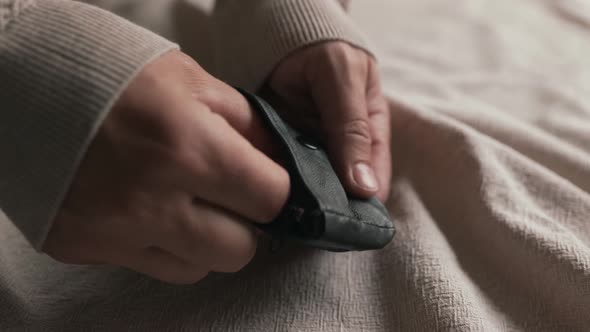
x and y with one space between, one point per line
172 181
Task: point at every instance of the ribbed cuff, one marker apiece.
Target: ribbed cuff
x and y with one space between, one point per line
254 36
62 66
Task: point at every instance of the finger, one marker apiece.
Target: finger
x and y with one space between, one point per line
163 266
381 150
226 101
207 235
236 110
227 171
380 121
340 96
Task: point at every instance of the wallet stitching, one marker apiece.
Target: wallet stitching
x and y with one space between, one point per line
357 220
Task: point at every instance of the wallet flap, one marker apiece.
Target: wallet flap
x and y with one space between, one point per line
318 212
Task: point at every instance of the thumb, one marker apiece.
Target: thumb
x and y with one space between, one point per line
345 122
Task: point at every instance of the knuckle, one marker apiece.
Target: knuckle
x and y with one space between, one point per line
379 105
197 156
185 159
337 48
346 55
358 130
379 141
210 97
222 99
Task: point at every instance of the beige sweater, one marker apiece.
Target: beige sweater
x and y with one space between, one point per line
64 63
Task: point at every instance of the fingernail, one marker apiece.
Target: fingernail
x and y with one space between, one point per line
364 176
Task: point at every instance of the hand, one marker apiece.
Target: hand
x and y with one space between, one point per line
171 182
333 89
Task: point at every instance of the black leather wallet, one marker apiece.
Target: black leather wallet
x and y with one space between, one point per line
318 212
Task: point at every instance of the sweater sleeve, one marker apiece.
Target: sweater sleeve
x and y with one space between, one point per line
253 36
62 66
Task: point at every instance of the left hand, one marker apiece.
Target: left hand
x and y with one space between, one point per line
333 89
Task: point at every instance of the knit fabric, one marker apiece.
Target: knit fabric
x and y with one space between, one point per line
264 32
10 9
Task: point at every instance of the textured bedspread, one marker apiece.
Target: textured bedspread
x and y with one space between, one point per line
491 196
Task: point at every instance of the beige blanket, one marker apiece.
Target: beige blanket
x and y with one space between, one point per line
491 104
